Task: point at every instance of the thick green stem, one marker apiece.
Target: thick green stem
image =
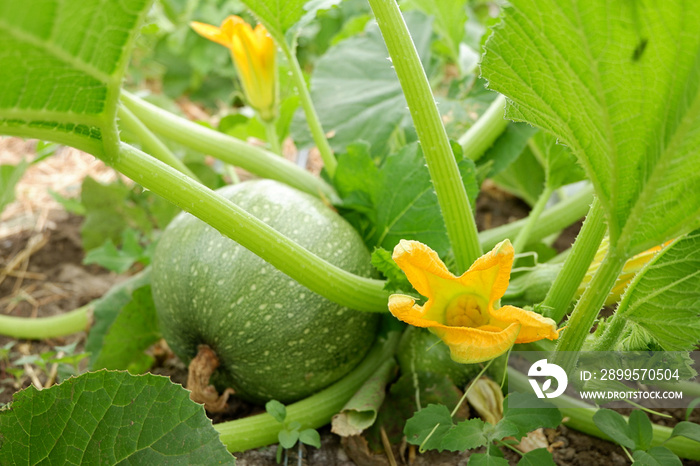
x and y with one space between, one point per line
318 275
272 138
580 417
151 144
313 412
485 131
452 197
226 148
532 219
46 327
307 104
577 263
587 309
551 221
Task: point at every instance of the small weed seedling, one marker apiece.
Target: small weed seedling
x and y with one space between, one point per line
290 433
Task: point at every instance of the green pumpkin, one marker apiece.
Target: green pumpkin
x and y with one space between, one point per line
275 339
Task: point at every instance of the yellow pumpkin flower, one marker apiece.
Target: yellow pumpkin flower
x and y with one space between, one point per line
253 53
460 310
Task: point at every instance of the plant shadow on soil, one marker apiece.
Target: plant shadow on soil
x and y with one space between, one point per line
62 283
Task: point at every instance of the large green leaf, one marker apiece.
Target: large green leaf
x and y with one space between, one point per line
619 84
356 91
398 198
664 299
108 418
134 330
449 22
61 64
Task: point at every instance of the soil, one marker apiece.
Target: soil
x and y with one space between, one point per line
52 279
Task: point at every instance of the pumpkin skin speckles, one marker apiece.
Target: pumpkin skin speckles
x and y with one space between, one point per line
295 324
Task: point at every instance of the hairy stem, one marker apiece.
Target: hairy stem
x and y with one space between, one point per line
587 309
307 104
524 235
226 148
452 197
151 144
318 275
577 263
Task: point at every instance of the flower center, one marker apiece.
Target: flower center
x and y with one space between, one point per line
467 310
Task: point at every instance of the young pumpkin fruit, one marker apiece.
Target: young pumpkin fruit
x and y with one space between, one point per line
275 339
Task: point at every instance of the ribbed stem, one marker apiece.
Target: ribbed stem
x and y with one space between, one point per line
226 148
312 412
318 275
577 263
452 197
532 219
587 309
150 143
307 104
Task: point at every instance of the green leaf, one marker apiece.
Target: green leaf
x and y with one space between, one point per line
395 277
356 92
310 437
538 457
72 205
424 422
664 298
406 203
657 456
288 438
104 204
614 425
687 429
559 163
524 178
61 65
465 436
279 16
276 409
537 413
481 459
109 257
357 177
507 148
449 21
640 430
134 330
620 86
107 308
9 176
108 418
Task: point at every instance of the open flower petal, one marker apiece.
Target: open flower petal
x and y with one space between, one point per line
533 327
460 310
472 345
